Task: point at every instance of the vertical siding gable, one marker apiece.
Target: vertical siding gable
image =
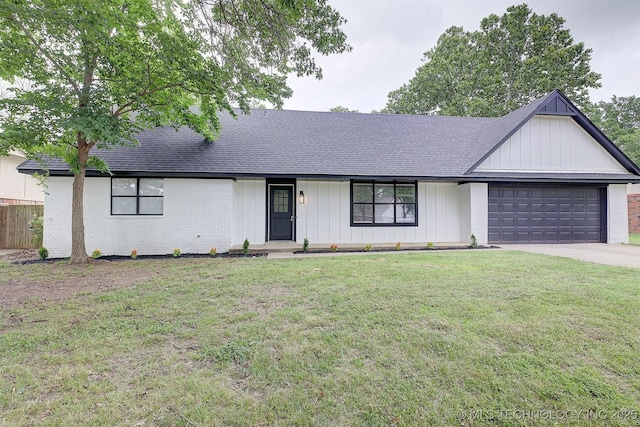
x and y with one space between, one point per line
551 143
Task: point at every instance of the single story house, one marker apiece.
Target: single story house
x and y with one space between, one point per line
541 174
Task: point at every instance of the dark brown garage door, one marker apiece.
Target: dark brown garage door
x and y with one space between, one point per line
545 214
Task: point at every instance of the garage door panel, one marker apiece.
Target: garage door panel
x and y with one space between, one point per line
544 214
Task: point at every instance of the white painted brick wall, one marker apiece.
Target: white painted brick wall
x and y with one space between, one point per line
57 216
617 214
474 212
198 215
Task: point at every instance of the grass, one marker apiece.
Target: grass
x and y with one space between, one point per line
634 239
431 338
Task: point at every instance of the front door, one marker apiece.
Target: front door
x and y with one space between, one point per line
281 212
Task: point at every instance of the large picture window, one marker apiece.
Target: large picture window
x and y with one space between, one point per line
383 203
137 196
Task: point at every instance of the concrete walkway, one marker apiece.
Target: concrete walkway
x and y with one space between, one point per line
599 253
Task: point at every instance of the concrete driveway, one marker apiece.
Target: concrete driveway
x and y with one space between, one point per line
599 253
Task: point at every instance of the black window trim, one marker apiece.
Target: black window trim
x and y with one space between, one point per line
387 224
138 196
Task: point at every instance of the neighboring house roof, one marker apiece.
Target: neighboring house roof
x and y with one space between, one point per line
276 143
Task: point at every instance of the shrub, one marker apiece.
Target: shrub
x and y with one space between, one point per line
474 242
96 254
134 254
397 246
430 245
43 253
334 248
213 252
305 245
37 226
177 252
245 247
368 247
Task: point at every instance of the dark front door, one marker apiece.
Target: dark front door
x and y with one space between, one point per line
281 212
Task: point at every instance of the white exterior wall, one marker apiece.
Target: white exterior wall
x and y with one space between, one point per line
551 144
198 215
15 185
474 212
249 211
617 214
324 218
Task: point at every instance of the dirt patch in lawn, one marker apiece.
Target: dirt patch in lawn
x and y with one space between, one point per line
59 280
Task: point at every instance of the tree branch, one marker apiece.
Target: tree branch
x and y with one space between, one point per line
123 107
55 63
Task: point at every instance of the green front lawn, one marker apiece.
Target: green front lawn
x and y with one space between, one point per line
634 239
481 337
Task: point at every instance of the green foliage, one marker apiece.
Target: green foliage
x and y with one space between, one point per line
619 119
177 253
91 65
474 242
96 254
37 229
368 247
43 253
245 247
510 61
341 109
305 245
100 72
430 246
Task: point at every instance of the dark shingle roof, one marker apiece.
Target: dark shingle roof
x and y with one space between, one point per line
315 144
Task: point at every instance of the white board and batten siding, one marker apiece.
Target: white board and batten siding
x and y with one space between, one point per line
324 218
551 144
249 211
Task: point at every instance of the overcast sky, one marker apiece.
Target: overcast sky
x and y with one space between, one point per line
389 38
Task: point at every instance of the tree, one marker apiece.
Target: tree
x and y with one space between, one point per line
510 61
341 109
620 121
101 71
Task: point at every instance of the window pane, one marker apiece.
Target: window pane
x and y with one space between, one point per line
151 186
384 213
362 193
123 205
151 205
280 201
405 193
384 193
406 212
363 213
123 187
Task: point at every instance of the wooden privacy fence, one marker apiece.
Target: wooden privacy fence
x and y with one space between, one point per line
15 230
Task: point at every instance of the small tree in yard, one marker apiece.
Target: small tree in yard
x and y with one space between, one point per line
99 72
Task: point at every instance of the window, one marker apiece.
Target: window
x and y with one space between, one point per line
137 196
383 203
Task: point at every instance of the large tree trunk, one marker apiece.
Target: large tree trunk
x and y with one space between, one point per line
78 248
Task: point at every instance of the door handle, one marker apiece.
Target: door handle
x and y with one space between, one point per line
291 218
